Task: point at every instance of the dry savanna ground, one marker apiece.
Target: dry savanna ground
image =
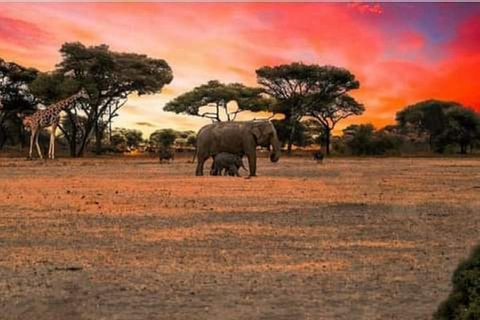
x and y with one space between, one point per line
128 238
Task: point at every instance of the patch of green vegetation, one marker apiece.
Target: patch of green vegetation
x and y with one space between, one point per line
463 303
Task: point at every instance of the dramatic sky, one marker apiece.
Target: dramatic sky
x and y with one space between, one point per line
401 53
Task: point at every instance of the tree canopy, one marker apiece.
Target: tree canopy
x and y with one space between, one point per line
108 76
310 90
441 123
163 138
123 140
213 100
15 97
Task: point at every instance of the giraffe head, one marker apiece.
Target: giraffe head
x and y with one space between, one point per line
27 122
82 94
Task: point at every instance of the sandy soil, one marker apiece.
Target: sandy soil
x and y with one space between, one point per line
132 239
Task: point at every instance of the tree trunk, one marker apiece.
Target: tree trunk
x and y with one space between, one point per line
3 136
98 139
291 137
73 143
327 140
84 142
3 140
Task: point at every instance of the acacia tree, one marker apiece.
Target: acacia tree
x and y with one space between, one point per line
313 90
330 113
441 123
162 138
109 77
14 98
212 100
126 139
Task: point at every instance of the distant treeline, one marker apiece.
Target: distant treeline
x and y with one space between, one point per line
312 99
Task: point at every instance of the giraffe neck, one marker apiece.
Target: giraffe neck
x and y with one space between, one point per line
63 104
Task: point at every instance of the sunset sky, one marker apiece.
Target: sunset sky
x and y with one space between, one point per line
401 53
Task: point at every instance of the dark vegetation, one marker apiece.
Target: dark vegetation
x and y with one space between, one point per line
311 100
463 303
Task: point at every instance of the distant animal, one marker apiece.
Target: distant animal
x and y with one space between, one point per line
227 163
236 137
318 156
165 154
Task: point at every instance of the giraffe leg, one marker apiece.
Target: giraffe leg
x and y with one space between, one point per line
50 147
32 137
52 143
38 147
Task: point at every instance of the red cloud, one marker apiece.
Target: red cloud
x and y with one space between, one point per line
225 41
410 41
366 8
21 33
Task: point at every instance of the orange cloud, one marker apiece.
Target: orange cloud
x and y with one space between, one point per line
229 41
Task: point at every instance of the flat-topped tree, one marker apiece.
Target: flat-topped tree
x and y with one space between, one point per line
109 78
441 123
329 113
212 101
15 98
309 90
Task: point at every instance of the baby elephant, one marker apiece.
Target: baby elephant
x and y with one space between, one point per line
228 162
165 154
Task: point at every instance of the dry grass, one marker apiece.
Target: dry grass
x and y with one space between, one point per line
128 238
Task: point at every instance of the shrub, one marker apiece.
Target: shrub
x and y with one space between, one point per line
463 303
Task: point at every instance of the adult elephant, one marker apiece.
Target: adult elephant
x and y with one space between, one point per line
236 138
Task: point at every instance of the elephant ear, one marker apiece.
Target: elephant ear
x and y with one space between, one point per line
257 132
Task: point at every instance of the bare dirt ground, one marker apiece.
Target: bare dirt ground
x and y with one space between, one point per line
128 238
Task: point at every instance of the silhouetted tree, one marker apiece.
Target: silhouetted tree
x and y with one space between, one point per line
109 78
442 123
284 128
125 139
215 101
363 139
14 98
317 91
163 138
192 141
330 113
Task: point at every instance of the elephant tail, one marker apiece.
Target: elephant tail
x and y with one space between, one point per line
194 155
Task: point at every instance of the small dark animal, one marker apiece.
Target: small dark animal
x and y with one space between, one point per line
228 163
318 156
165 154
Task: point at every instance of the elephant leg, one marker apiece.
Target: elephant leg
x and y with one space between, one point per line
227 171
233 171
201 161
214 170
252 163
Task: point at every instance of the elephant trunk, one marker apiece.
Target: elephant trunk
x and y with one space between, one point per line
275 154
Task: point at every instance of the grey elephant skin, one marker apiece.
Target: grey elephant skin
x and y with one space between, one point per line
236 138
228 162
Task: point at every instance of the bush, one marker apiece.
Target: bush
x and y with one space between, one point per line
463 303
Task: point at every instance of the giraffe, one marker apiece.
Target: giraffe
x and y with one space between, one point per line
49 117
